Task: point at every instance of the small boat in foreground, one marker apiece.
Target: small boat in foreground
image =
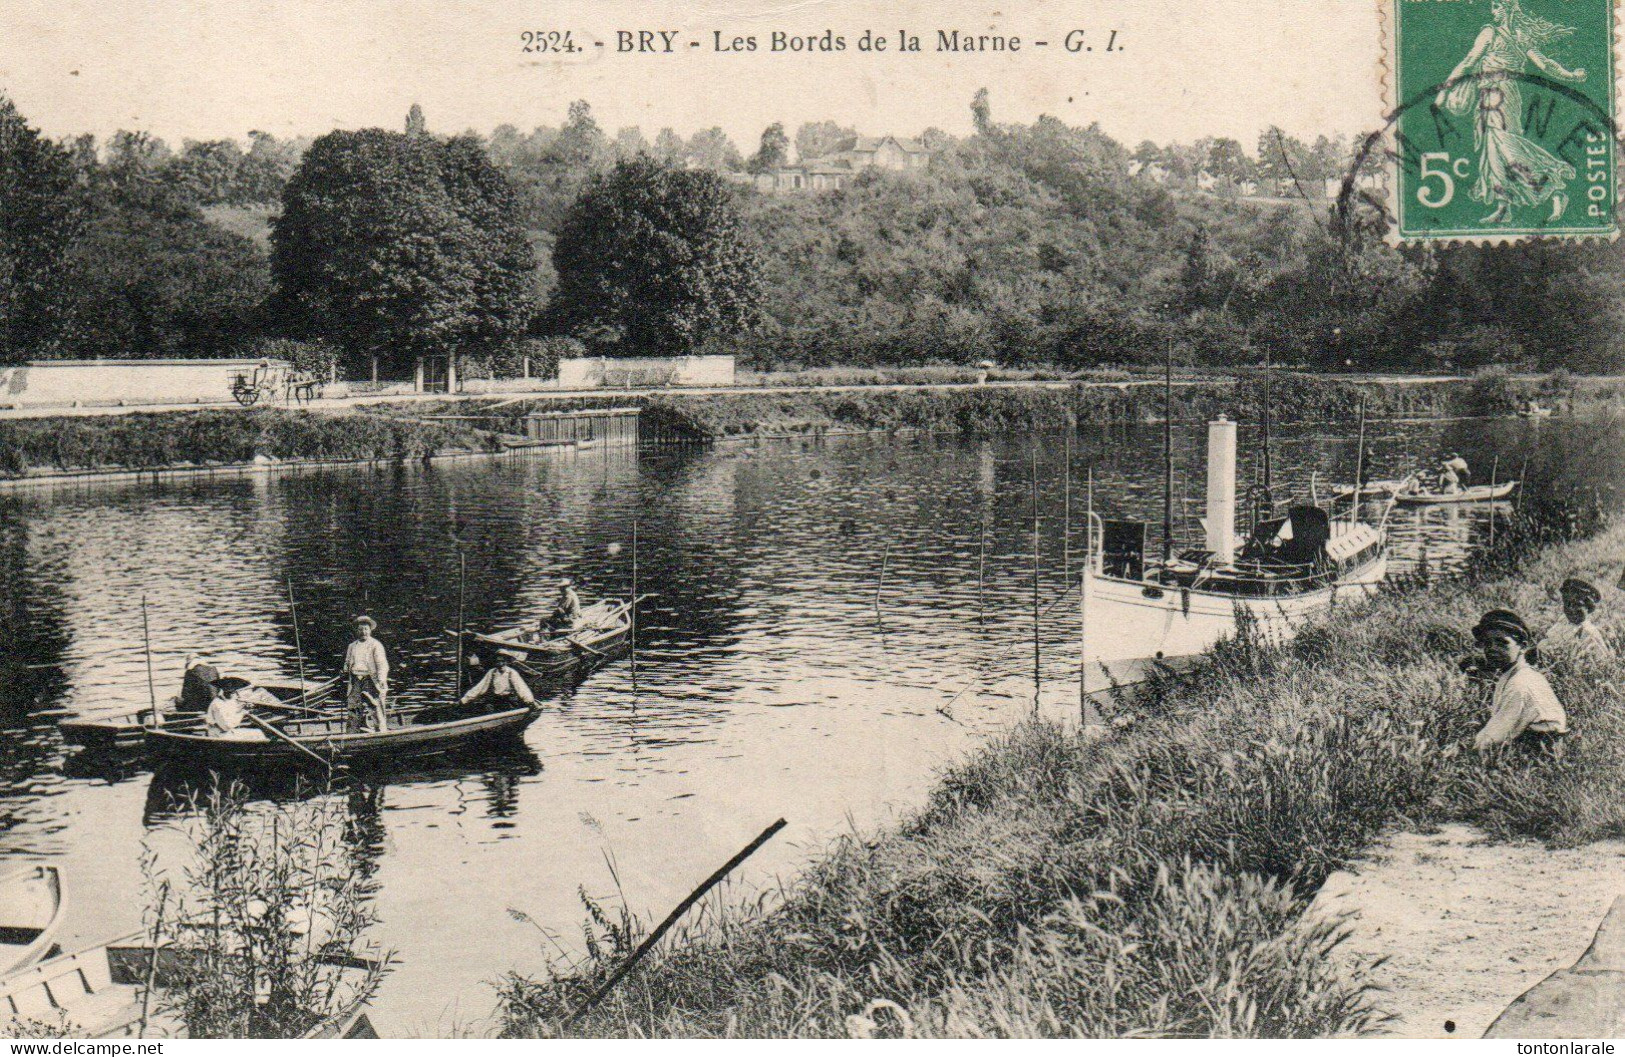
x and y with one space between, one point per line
605 625
1478 493
32 907
418 732
126 729
98 993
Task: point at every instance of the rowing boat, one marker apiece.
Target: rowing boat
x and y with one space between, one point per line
32 907
1375 489
604 627
410 733
99 993
126 729
1478 493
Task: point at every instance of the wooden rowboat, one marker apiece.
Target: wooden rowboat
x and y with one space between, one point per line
411 733
98 993
604 627
1478 493
126 729
1375 489
32 907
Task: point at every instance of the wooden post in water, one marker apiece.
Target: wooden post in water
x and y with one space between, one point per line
1038 675
633 633
1168 456
1066 509
1359 468
1495 465
1083 602
981 574
146 638
462 571
880 584
298 649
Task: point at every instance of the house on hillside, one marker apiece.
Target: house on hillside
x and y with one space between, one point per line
850 157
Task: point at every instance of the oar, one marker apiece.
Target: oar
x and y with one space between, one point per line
279 736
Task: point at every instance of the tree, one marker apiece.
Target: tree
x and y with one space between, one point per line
629 143
815 139
398 244
1226 159
774 151
981 111
657 255
580 143
668 146
207 172
415 123
41 213
712 149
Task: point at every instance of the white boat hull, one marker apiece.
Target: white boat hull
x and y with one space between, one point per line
1124 622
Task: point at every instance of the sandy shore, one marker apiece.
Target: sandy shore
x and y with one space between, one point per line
1467 926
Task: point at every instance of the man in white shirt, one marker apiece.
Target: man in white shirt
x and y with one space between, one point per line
1523 707
1576 638
503 684
366 667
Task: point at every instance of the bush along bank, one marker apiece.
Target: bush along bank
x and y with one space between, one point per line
1154 881
169 440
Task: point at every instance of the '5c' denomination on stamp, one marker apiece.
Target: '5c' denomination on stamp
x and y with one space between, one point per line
1503 118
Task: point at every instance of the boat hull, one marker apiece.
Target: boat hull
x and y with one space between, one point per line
126 732
1131 620
1476 494
32 906
329 740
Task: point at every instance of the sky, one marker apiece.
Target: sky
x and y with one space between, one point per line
205 69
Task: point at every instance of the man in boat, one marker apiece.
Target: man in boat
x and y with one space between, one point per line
1452 474
197 685
566 615
1576 637
1523 709
502 684
366 669
225 715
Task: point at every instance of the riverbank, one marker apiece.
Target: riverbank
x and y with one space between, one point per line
1157 881
205 441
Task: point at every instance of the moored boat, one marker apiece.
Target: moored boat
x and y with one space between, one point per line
411 733
32 906
605 626
1478 493
99 993
126 729
1290 570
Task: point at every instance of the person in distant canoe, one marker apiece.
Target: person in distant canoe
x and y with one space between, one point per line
1523 709
566 615
1452 474
197 685
366 667
502 684
1576 637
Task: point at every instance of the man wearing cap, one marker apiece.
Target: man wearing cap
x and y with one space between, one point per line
502 682
1452 474
197 685
367 669
1576 637
1523 707
566 615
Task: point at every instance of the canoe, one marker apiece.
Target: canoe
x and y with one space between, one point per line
98 993
32 907
1478 493
1379 489
604 627
125 730
414 733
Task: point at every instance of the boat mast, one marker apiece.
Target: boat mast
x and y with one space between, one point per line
1359 468
1168 455
1269 487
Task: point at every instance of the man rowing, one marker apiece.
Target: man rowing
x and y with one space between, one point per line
366 669
566 615
234 697
1452 474
503 685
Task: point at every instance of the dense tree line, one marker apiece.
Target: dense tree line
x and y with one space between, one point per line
1025 243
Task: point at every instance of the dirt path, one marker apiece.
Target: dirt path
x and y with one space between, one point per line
1467 926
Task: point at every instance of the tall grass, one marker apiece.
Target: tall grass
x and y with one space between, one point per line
1154 882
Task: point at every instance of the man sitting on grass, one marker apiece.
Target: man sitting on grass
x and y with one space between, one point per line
1576 638
1523 708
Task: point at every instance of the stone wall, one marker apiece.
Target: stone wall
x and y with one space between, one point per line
66 383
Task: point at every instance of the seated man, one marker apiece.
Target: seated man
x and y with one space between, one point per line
197 685
1523 708
566 615
503 684
226 715
1576 638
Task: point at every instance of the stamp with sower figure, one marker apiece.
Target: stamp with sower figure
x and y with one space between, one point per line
1503 119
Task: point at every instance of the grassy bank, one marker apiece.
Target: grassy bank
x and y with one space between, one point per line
1153 882
205 438
993 410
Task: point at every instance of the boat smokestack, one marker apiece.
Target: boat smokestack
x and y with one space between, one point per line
1221 489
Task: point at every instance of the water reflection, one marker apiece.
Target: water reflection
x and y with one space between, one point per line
778 672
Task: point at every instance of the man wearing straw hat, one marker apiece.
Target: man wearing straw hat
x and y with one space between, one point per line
367 669
1523 709
1576 638
503 683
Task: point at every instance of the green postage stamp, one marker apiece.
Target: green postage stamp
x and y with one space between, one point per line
1503 119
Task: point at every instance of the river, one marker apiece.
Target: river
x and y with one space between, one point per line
814 603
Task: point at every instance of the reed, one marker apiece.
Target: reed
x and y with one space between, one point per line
1155 882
